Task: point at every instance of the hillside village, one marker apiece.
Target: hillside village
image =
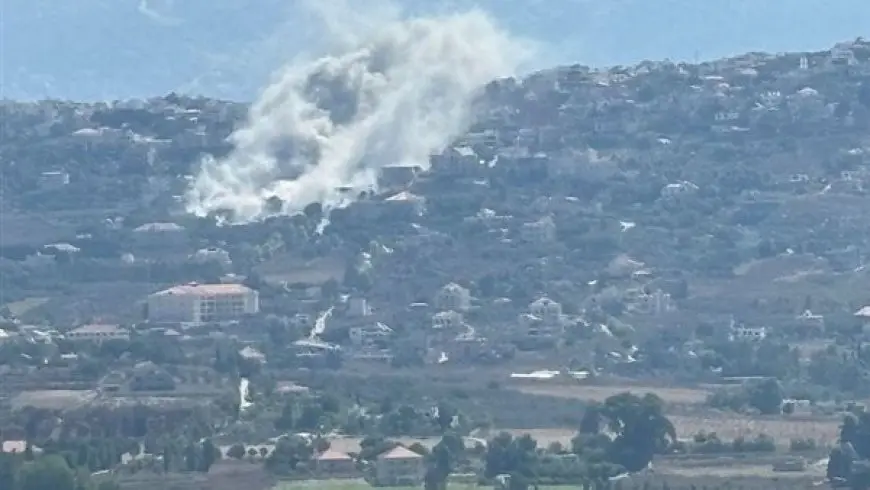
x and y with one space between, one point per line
699 226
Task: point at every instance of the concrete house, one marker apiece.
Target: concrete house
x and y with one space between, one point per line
202 303
98 333
400 466
540 231
334 464
453 297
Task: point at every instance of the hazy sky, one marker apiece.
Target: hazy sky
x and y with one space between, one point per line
99 49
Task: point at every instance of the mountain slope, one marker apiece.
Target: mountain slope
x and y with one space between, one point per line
97 49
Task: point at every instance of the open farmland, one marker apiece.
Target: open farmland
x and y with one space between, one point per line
53 399
349 485
730 426
602 392
748 478
726 426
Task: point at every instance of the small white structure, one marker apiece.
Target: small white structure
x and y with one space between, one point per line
369 335
53 180
357 307
678 189
547 310
447 320
540 231
212 254
456 161
534 327
5 336
747 334
453 297
160 236
98 333
407 203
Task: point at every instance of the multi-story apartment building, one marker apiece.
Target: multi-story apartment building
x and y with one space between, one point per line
202 303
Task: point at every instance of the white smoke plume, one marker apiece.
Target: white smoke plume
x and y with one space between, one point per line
394 91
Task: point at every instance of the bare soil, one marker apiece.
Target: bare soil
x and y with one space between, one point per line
600 393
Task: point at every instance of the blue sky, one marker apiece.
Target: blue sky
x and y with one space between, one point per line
102 49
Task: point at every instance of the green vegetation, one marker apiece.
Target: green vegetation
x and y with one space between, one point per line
46 472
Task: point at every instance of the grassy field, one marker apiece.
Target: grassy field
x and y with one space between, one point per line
20 308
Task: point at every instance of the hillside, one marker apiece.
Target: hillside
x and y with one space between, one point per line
657 194
674 250
105 49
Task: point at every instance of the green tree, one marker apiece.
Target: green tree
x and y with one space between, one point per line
288 453
766 396
109 485
641 429
591 421
209 454
237 451
47 473
446 414
507 455
168 458
191 457
9 466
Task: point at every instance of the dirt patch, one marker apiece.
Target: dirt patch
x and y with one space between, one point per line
283 269
20 308
52 399
730 426
760 471
601 393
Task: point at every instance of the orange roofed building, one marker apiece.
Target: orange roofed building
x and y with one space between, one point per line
400 466
202 303
335 464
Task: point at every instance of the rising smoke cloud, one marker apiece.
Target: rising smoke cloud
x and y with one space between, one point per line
393 91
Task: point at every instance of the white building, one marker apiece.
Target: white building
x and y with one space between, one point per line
541 231
202 303
160 236
679 189
370 334
534 327
5 336
212 254
53 180
358 307
447 320
547 310
98 333
456 161
747 334
453 297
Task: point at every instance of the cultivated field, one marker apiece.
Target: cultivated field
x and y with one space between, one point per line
729 426
761 479
362 485
342 485
601 393
726 426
